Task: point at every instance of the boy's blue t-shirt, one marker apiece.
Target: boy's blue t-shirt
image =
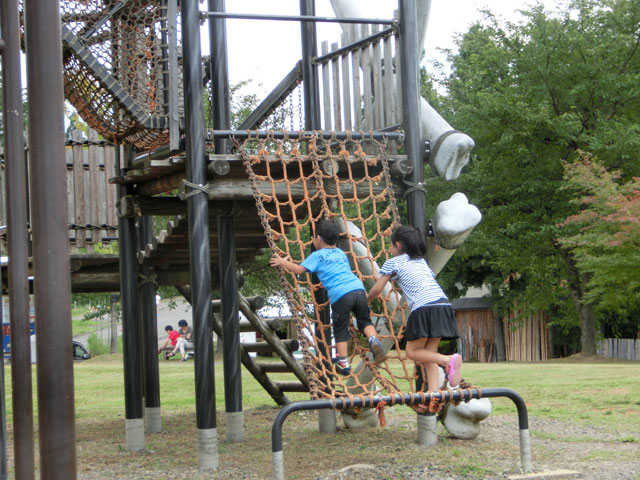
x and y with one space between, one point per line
333 270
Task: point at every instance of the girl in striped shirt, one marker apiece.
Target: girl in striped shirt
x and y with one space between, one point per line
432 317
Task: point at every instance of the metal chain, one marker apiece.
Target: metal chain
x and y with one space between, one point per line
291 112
300 122
382 149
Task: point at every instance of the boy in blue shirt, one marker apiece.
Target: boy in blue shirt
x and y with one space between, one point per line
346 291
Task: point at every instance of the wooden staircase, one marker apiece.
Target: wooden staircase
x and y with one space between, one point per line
271 344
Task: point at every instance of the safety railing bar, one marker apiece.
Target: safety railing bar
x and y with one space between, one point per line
405 399
163 152
299 18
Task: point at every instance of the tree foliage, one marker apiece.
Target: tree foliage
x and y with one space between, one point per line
604 237
533 95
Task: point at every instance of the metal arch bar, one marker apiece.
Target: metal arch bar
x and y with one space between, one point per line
406 399
325 134
300 18
165 151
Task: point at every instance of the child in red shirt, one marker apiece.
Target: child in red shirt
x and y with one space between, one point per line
171 340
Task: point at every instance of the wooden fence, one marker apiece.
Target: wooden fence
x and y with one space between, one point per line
526 340
623 348
91 199
477 335
360 80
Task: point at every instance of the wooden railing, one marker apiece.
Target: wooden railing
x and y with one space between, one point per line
360 81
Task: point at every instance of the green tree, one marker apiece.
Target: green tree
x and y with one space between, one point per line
532 95
604 237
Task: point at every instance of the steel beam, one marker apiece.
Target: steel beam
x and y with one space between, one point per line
52 282
309 70
304 18
411 112
17 238
198 230
132 357
226 233
147 291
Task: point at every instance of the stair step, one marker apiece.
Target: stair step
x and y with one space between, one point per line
273 367
264 347
275 323
292 386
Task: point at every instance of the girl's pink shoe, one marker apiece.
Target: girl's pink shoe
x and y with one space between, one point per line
454 370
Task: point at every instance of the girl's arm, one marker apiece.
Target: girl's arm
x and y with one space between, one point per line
378 287
287 264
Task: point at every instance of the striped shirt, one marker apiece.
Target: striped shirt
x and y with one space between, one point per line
415 278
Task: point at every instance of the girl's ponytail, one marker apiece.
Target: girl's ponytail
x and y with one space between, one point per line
411 240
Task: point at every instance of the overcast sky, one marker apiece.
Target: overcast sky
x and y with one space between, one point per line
265 50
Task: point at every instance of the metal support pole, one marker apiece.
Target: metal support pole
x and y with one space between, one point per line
132 357
17 237
149 316
199 250
52 278
411 111
309 71
230 329
3 416
226 234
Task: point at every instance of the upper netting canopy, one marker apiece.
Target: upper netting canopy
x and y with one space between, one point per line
121 69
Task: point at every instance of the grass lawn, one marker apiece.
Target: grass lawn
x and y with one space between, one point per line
584 414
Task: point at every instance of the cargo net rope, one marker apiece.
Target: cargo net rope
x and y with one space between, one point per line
295 184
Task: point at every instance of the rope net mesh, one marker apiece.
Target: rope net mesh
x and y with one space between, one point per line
116 67
295 184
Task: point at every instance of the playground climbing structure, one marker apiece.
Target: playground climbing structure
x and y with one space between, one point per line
134 72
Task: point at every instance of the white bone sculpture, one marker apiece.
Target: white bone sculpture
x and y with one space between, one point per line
454 220
450 148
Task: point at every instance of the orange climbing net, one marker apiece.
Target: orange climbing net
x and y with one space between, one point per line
298 181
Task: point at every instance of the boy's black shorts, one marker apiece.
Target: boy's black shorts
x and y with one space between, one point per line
356 302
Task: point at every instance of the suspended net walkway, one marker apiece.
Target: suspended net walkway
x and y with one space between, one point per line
122 67
297 182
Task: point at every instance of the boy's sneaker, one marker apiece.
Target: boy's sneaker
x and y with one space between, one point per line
376 349
343 367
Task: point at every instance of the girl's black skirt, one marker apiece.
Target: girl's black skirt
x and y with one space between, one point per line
435 320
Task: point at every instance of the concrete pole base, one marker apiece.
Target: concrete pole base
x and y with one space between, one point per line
207 449
152 420
235 426
525 451
427 423
327 421
134 432
278 466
